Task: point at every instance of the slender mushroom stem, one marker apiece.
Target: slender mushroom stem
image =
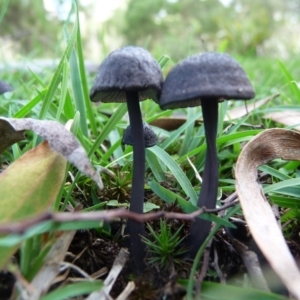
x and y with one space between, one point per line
209 190
135 229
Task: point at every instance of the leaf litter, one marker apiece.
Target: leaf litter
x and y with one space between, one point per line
266 146
59 138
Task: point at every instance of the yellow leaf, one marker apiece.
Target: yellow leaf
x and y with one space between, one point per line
29 186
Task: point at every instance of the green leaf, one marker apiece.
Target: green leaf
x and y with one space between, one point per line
175 134
285 201
188 135
273 172
72 290
84 82
283 184
77 91
187 207
27 108
109 126
293 84
56 79
3 10
229 139
217 291
155 166
177 172
148 206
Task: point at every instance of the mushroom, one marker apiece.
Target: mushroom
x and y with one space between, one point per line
149 135
205 79
4 87
131 74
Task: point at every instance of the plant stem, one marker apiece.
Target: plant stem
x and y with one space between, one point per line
135 229
200 228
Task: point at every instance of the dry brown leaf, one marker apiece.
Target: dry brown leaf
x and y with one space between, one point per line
266 146
8 135
286 117
244 110
59 138
173 123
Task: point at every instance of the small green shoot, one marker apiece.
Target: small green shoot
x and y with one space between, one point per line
165 250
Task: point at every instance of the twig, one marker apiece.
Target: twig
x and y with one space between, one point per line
127 291
217 268
117 267
107 215
197 175
204 269
252 265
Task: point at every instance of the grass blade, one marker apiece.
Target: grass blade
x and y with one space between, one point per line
176 172
56 79
84 83
72 290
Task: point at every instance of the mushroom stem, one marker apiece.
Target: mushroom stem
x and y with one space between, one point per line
135 229
200 228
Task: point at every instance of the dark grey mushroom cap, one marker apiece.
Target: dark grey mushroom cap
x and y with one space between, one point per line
149 134
127 69
204 76
4 87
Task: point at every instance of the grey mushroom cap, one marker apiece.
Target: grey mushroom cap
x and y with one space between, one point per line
149 134
4 87
205 75
127 69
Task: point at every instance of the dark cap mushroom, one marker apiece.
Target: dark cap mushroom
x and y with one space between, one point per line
149 135
4 87
131 74
205 79
129 69
207 75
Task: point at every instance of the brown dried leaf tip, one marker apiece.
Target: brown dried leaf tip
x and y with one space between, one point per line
62 141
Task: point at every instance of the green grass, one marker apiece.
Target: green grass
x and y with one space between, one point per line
63 94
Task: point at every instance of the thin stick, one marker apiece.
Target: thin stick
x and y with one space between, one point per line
107 215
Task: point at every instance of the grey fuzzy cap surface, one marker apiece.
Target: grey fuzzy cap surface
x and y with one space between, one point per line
4 87
206 75
149 134
127 69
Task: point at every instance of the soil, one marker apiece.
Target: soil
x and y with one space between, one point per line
93 250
